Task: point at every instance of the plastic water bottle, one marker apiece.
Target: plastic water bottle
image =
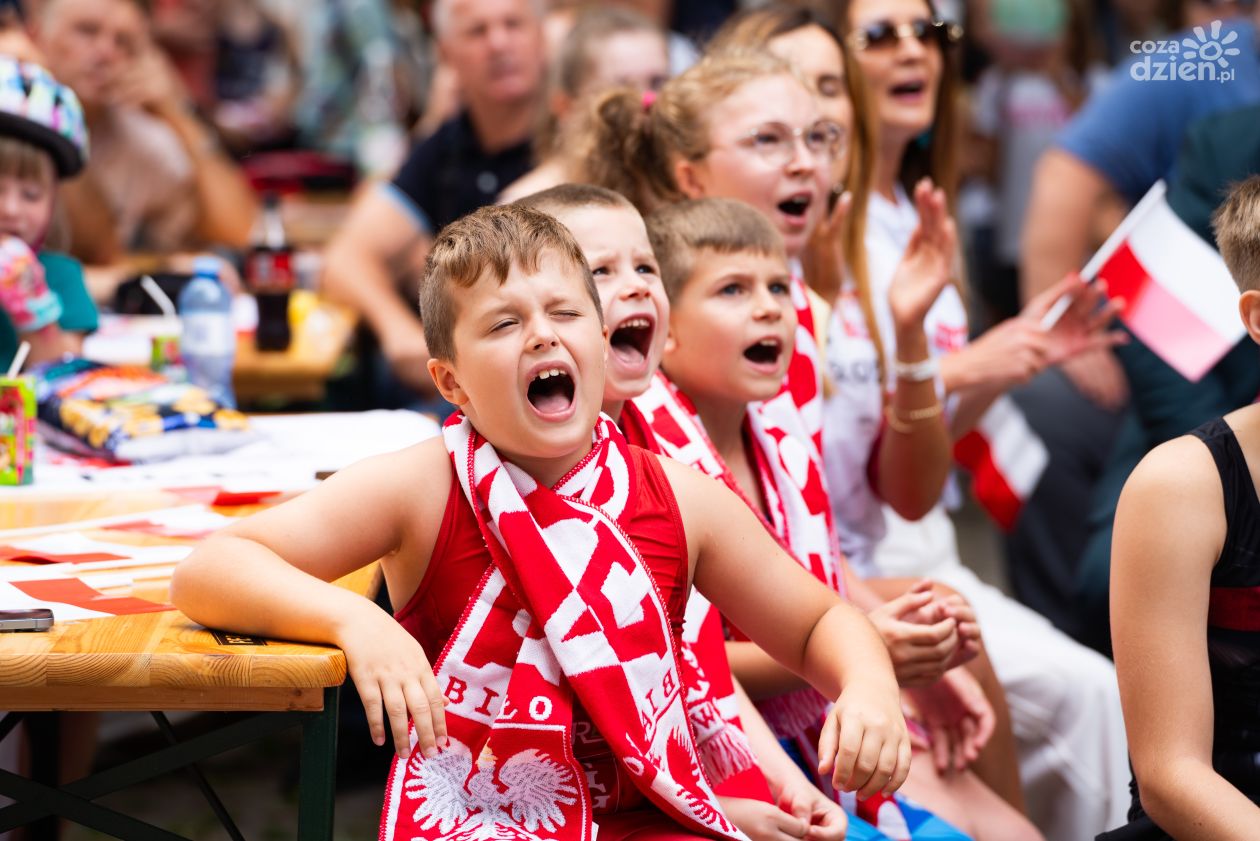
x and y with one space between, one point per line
209 341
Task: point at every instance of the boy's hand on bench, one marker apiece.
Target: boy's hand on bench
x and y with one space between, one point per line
395 681
864 745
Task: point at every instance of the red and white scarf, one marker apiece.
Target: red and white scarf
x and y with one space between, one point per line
804 376
712 705
585 622
799 512
786 458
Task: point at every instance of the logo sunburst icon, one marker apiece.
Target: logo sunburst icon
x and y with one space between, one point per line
1205 47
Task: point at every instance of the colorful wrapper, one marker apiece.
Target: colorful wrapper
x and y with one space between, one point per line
17 430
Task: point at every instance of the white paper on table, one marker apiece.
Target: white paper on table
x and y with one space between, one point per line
80 544
291 450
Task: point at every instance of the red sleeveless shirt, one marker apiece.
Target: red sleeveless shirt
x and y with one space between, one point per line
460 559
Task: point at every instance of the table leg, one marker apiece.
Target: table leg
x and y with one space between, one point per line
317 781
43 733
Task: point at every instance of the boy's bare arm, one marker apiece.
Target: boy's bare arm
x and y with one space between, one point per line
1170 528
804 625
270 574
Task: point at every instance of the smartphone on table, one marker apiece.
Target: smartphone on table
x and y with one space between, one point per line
28 619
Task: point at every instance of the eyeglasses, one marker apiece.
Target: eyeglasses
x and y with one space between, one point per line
775 143
884 34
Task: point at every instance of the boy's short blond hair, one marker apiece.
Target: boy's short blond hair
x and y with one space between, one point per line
489 241
724 226
564 197
1237 226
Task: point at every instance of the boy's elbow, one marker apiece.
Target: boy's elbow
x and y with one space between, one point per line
1162 786
912 500
180 588
188 581
913 507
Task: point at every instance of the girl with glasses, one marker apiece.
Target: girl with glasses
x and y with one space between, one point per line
1063 698
742 124
854 362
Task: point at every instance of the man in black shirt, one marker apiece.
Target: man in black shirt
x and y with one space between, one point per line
374 263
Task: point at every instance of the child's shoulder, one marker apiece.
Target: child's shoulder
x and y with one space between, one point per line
681 477
1182 466
1175 495
703 501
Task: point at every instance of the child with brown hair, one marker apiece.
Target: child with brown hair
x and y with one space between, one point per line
1185 571
732 330
782 802
542 572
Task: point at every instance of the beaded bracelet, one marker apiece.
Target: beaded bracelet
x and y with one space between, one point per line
917 372
904 422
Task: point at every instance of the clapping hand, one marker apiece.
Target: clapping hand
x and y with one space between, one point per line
928 261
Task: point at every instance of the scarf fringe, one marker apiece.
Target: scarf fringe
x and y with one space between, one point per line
795 713
726 754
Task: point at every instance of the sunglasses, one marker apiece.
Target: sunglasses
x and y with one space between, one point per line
884 34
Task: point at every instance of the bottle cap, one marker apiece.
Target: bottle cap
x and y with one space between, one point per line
205 266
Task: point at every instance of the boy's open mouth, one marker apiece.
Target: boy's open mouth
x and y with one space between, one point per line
764 352
631 339
797 205
551 391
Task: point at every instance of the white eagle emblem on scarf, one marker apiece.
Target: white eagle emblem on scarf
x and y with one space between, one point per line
473 806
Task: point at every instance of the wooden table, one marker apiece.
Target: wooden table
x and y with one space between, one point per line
321 337
163 661
302 372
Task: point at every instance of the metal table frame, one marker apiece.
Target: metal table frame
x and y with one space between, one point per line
39 798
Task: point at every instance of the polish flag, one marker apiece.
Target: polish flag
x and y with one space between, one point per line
1006 460
1180 299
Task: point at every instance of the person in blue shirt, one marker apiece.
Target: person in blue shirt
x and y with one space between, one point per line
1117 146
43 138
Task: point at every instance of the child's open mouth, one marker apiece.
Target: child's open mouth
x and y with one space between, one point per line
796 206
631 340
765 354
551 391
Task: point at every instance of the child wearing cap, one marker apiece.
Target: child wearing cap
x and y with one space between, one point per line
43 299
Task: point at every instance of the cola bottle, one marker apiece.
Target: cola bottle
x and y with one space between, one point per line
269 276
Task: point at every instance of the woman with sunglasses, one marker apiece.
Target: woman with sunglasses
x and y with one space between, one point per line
1062 696
835 266
743 125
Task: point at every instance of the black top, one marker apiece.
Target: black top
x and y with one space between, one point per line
449 175
1233 633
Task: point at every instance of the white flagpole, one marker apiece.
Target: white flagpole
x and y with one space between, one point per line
1153 197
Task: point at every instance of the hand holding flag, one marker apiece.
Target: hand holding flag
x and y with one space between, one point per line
1179 297
1074 316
